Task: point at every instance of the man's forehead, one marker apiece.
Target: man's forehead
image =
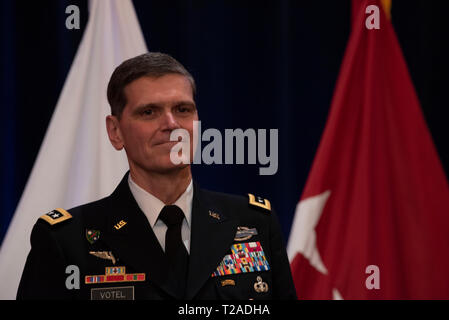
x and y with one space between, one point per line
161 82
159 90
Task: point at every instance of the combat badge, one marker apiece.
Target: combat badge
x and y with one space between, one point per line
92 235
56 216
244 233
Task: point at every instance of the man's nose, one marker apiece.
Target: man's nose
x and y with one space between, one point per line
169 121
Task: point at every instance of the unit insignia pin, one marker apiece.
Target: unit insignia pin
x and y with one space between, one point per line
92 235
260 286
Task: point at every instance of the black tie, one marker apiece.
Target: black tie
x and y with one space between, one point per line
175 250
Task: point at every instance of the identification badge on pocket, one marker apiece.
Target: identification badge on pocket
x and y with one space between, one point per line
116 293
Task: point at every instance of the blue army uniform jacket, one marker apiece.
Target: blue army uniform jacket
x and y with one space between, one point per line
236 252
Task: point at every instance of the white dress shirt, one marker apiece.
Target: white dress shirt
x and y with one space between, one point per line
152 206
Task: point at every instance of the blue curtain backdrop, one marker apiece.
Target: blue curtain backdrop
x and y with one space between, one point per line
258 64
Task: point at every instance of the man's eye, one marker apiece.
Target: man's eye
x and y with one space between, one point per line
184 109
147 112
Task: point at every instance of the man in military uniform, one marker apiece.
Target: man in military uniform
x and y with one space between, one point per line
158 235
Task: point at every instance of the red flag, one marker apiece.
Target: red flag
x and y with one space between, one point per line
373 219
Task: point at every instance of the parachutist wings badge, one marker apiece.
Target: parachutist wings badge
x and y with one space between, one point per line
107 255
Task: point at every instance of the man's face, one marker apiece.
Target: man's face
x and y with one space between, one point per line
155 107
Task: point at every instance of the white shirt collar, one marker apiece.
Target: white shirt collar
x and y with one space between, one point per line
152 206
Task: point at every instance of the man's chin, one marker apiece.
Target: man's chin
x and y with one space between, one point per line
169 168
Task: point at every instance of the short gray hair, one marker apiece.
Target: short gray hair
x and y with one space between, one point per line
151 64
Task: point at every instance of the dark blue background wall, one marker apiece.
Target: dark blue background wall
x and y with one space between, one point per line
258 64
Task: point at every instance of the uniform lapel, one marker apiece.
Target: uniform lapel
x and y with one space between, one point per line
212 235
131 238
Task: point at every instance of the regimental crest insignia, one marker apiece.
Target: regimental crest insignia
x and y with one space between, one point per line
92 235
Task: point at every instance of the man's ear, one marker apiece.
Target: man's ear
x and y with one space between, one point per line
114 133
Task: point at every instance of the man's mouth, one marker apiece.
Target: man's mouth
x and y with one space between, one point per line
168 142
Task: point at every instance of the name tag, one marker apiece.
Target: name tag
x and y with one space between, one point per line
117 293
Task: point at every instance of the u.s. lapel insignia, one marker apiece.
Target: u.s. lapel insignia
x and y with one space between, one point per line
260 286
120 224
259 202
214 215
92 235
244 233
115 274
107 255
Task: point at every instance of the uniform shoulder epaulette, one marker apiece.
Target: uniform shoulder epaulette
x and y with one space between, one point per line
56 216
259 202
